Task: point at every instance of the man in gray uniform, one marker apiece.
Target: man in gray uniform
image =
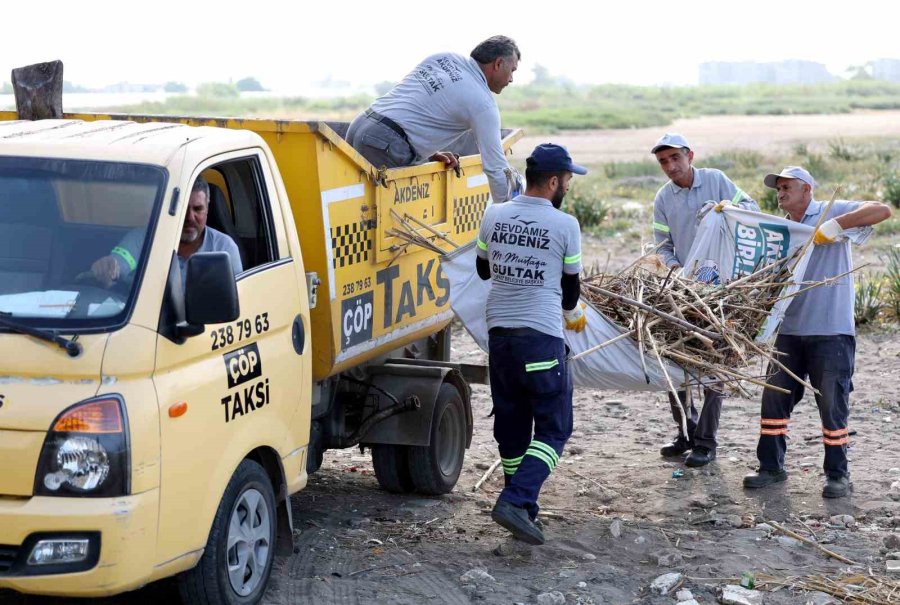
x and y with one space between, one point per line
121 262
444 100
675 216
531 251
817 335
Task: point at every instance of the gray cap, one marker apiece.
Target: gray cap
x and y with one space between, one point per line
789 172
671 139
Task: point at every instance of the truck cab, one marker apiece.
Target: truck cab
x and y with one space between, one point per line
124 412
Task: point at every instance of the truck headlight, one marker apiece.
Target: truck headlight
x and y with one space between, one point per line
86 451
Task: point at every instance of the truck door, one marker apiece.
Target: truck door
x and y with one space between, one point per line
242 381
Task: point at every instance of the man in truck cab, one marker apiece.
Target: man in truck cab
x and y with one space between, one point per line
121 262
444 101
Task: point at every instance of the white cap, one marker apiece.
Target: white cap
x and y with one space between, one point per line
671 139
789 172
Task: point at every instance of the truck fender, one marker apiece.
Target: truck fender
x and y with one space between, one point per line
407 378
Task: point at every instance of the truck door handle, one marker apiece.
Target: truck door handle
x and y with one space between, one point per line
298 335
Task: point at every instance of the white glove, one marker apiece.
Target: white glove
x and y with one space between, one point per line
828 233
515 182
575 318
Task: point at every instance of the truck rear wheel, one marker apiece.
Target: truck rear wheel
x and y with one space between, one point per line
435 467
237 561
391 463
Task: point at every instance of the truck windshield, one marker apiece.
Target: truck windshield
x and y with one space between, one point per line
73 238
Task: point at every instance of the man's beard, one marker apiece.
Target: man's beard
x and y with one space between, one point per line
188 238
558 196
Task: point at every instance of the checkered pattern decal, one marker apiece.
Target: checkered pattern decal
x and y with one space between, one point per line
350 244
467 212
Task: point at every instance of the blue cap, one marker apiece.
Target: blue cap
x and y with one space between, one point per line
670 139
789 172
552 158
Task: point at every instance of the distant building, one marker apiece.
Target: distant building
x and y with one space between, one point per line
748 72
886 69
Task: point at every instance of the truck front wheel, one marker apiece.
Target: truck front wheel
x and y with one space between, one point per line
237 561
435 467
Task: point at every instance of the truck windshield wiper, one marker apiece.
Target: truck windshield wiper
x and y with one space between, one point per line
71 346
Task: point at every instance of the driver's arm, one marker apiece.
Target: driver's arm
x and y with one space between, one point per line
121 261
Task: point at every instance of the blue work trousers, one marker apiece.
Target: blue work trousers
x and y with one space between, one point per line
531 387
828 362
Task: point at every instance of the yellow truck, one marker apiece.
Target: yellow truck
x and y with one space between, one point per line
158 426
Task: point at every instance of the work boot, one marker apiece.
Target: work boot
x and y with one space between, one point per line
763 478
700 456
676 448
516 520
836 487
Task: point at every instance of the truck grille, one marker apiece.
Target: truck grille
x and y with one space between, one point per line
8 556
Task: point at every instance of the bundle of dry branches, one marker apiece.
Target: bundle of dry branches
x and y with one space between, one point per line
708 330
849 588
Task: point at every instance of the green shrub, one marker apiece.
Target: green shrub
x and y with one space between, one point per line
868 300
768 201
218 90
839 150
891 194
586 207
892 282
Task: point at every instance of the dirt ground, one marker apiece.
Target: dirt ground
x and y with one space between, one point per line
716 134
616 514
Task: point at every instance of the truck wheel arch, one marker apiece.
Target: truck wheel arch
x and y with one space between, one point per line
269 459
405 377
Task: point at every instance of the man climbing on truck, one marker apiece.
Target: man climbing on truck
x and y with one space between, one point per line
445 99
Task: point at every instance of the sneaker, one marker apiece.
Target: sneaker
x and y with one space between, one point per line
836 487
763 478
676 448
700 456
516 520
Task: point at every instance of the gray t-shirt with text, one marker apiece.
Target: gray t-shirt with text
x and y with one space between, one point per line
529 245
445 98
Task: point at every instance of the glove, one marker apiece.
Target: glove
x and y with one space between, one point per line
828 233
515 182
713 206
576 320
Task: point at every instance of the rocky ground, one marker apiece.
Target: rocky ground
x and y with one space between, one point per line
616 515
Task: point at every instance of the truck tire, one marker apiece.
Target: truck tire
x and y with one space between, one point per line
391 463
435 467
246 518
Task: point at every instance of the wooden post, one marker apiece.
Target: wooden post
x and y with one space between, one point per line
38 90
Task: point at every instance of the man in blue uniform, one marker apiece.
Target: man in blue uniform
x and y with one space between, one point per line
817 336
531 251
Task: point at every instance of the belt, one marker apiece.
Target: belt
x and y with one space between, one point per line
389 123
515 332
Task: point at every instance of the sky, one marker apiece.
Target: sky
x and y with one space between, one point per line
292 46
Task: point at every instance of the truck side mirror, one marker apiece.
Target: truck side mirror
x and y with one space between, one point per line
210 295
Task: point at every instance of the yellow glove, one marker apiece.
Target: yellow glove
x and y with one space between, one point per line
576 320
828 233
